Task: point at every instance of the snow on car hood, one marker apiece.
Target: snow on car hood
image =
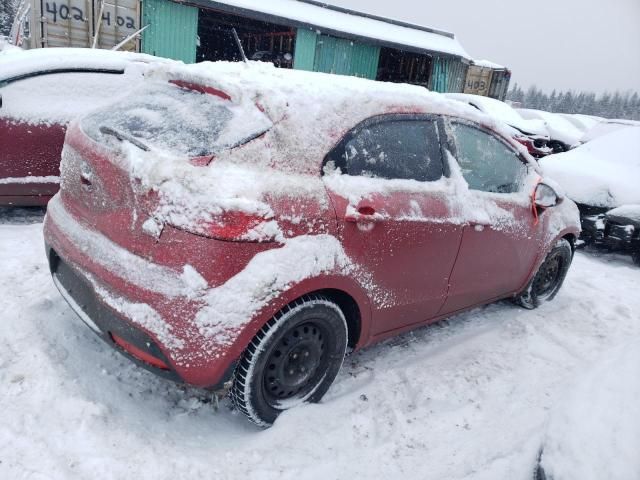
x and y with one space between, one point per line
594 431
601 173
503 112
559 128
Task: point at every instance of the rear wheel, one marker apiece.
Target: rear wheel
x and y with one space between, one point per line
549 278
293 359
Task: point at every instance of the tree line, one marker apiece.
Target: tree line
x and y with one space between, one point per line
8 9
609 105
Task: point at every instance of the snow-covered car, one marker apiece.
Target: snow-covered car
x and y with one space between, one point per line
581 122
530 133
563 134
594 431
239 227
602 178
607 126
617 230
41 90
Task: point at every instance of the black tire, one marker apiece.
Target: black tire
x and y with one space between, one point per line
293 359
635 256
549 278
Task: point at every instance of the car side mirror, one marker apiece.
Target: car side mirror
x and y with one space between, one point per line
545 196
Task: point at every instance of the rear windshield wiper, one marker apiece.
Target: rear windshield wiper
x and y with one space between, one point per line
123 136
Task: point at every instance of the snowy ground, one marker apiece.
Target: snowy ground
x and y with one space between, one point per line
464 399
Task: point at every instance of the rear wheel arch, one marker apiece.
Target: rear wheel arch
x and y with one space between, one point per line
350 310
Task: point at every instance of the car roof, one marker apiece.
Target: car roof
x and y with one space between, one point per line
311 110
24 62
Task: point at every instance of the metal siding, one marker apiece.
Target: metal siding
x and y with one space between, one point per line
364 60
305 53
438 75
346 57
173 30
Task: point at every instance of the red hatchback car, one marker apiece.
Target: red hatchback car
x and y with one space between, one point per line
240 227
41 91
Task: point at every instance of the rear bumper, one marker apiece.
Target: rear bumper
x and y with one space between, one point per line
104 322
151 322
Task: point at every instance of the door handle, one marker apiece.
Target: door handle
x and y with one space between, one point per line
364 213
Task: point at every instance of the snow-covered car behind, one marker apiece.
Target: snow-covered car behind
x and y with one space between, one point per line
601 173
601 176
532 134
41 91
594 431
563 134
607 126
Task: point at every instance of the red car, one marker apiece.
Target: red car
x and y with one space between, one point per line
41 91
241 227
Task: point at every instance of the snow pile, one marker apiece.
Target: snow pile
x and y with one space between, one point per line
601 173
594 431
559 128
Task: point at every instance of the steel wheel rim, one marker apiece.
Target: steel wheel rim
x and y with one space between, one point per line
296 364
548 275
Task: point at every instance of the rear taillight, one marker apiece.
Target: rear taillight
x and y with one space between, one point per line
235 227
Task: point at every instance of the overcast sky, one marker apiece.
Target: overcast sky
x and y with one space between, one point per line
589 45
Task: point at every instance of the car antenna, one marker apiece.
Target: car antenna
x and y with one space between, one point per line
237 39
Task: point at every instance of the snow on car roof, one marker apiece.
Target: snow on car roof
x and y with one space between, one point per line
354 23
16 63
601 173
313 110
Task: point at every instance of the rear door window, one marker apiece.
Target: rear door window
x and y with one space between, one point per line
487 163
394 149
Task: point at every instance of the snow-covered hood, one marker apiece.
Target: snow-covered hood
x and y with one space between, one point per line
502 112
559 128
601 173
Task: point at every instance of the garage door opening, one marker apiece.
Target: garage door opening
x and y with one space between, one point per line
403 67
262 41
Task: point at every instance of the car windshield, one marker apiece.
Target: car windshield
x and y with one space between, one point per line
177 120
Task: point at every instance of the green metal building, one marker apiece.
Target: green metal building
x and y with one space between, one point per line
305 35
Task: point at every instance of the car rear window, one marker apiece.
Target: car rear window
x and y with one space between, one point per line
178 120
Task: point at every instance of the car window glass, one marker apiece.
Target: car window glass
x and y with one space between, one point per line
487 164
403 149
59 97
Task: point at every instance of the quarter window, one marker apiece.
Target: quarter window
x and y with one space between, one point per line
399 149
487 163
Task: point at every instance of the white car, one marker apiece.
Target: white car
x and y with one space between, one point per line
563 133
